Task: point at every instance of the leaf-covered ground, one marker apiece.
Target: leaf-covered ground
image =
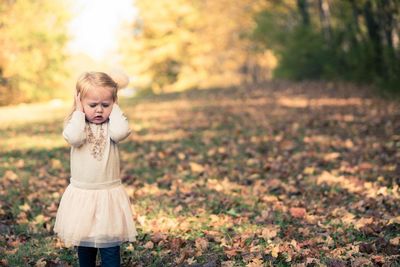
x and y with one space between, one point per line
283 174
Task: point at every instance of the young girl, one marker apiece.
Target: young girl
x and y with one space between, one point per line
94 211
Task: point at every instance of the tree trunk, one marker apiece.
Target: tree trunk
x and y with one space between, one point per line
302 5
325 18
356 13
373 27
387 11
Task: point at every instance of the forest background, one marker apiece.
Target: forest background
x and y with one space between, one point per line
179 45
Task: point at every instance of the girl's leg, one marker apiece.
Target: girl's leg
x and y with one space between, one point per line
87 256
110 257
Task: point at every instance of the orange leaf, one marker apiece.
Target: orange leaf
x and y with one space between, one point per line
230 253
297 212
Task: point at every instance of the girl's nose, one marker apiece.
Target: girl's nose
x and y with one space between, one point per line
99 109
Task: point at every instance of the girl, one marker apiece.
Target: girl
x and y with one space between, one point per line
94 211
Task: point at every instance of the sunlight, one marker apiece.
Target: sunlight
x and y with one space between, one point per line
97 25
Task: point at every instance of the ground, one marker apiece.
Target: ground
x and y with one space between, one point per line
279 174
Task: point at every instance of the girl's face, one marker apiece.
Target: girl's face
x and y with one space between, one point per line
97 104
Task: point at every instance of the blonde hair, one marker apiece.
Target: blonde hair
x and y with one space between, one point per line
91 80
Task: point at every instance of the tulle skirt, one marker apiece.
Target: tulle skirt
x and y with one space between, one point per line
95 217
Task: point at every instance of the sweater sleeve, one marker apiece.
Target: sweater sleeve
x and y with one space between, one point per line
118 127
74 132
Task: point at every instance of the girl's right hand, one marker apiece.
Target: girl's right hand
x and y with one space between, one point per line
78 102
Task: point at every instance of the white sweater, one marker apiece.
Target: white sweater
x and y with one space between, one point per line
87 171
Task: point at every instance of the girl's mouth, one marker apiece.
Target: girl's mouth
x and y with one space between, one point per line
98 117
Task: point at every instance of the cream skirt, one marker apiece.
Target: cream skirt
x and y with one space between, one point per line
95 217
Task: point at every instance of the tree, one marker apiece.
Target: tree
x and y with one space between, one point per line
181 44
352 40
32 39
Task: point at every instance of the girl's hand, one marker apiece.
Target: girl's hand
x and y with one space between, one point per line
78 102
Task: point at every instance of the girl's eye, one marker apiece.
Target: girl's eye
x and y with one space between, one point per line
92 105
106 105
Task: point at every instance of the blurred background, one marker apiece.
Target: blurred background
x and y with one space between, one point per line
176 45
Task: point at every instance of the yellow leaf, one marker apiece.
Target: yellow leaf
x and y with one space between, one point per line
309 170
275 251
394 220
39 219
256 262
130 247
41 263
191 260
56 164
363 222
195 167
25 207
222 150
252 162
10 175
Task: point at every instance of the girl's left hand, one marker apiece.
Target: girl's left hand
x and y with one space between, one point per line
78 102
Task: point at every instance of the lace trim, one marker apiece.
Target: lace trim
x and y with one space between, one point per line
96 139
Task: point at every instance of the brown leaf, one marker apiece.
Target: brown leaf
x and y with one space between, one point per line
287 145
359 262
367 248
331 156
157 237
395 241
176 244
201 244
227 264
365 166
149 245
270 231
231 252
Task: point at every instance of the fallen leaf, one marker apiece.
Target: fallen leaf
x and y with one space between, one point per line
275 251
10 175
227 264
256 262
149 245
270 231
195 167
201 244
395 241
362 222
40 263
297 212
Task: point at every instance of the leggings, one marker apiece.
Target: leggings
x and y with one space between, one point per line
110 257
